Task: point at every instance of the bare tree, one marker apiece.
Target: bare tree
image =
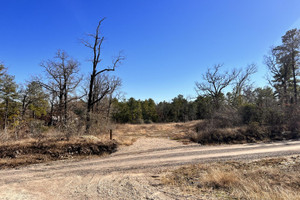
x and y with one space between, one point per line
64 78
241 83
95 46
215 82
104 87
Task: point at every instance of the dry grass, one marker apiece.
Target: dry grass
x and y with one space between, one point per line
30 151
175 131
54 145
276 179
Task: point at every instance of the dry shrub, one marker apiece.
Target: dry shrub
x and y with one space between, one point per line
226 117
293 121
3 136
205 133
228 125
217 179
219 136
37 127
31 129
255 132
265 179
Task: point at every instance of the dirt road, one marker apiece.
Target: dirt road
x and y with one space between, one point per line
131 173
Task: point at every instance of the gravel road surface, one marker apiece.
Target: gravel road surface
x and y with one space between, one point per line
131 173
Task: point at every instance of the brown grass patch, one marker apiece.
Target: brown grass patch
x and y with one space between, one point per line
275 179
175 131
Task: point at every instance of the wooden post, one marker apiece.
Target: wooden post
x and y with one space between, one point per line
110 134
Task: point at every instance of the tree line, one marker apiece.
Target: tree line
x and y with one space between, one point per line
229 97
60 98
66 99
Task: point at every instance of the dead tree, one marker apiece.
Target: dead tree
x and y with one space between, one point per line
95 46
215 82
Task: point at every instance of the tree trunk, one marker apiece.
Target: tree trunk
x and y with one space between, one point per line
23 107
109 107
6 114
89 104
294 79
60 107
66 110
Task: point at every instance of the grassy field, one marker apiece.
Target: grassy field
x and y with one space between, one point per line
175 131
276 179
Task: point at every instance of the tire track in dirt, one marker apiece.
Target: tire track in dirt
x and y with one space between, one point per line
87 175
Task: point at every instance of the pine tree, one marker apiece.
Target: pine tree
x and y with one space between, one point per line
135 109
152 110
283 63
8 97
33 99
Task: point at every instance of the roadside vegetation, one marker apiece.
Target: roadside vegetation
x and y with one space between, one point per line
275 178
66 105
32 151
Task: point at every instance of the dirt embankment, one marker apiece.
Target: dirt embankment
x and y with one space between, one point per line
38 151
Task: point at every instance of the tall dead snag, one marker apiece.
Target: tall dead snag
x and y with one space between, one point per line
95 46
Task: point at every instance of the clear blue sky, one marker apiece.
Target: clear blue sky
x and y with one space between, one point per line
168 44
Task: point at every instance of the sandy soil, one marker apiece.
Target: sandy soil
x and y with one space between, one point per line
133 172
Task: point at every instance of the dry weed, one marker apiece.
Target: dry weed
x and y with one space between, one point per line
265 179
176 131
